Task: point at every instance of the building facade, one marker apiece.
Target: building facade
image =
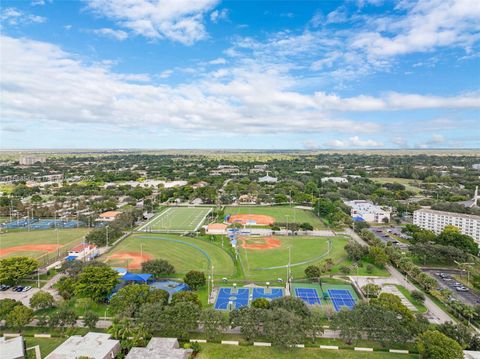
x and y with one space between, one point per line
368 212
437 220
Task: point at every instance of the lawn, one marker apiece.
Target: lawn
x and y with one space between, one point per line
409 184
177 219
47 345
304 251
40 244
419 305
214 351
280 214
184 253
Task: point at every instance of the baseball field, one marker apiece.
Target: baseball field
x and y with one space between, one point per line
41 244
280 214
184 253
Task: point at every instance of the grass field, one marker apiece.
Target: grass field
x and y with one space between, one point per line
40 244
408 183
219 351
47 345
177 219
304 251
184 253
280 214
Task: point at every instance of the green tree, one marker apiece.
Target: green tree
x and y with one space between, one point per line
181 318
63 317
42 300
195 279
371 290
150 315
355 251
458 332
214 323
291 304
378 256
451 236
284 328
19 317
158 296
96 282
128 300
434 345
66 287
6 306
250 321
90 319
313 272
186 297
261 303
158 267
313 324
14 269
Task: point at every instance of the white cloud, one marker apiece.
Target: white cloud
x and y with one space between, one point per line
354 142
218 61
180 20
112 33
218 15
40 83
14 17
337 16
429 24
165 74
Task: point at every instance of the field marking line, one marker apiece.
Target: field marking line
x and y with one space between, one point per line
154 219
203 219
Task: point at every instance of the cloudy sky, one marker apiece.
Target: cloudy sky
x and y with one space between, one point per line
240 74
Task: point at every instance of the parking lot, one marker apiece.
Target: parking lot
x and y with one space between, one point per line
23 297
448 282
384 234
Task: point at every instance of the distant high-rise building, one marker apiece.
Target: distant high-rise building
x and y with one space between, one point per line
437 220
30 160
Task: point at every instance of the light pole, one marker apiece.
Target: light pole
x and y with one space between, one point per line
141 251
287 215
106 232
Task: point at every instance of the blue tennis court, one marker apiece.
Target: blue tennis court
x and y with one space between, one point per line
227 299
341 298
308 295
271 293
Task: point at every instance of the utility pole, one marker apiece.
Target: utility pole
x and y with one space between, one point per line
106 232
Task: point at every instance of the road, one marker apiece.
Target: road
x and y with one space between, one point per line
435 314
469 297
382 234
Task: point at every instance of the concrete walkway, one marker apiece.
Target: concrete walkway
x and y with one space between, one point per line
435 314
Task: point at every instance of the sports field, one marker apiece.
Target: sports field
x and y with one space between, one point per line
267 258
41 245
184 253
177 219
410 185
281 214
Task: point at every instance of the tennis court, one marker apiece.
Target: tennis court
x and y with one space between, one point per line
177 219
231 298
308 295
341 298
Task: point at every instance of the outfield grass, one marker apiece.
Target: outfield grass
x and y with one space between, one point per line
214 351
177 219
408 183
295 215
184 253
67 238
302 249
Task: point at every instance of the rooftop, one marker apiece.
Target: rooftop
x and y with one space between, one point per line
12 348
160 348
92 345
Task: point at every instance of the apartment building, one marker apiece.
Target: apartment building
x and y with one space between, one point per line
437 220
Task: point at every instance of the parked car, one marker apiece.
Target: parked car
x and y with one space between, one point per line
26 289
447 279
19 288
462 289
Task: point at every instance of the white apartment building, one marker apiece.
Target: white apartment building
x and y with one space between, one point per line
437 220
369 212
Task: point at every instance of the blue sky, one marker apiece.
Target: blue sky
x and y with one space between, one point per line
240 74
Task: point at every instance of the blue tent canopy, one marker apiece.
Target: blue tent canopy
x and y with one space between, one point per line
70 258
134 277
358 219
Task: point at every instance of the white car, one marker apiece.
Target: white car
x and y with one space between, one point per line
26 289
